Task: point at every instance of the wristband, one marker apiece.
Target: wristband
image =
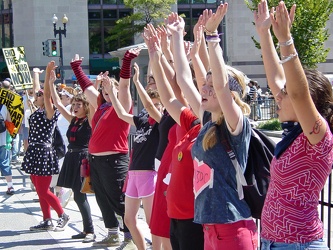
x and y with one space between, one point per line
81 77
288 58
287 43
125 71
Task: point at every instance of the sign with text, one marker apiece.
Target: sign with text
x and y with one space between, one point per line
18 67
14 104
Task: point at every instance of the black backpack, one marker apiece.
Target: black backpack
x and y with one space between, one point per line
58 143
257 172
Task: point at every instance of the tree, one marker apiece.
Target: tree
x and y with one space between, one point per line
308 30
145 11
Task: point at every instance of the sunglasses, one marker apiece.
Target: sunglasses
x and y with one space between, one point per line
39 94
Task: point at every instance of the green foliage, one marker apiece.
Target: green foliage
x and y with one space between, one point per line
272 124
308 30
145 11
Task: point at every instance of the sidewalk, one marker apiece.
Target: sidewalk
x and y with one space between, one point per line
21 211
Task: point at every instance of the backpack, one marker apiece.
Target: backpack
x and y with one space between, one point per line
58 143
2 122
257 171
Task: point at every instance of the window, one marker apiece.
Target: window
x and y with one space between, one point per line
110 14
94 15
95 37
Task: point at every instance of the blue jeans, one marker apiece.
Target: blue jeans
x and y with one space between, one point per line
316 244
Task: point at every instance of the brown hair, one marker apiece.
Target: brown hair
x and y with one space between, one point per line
321 93
81 98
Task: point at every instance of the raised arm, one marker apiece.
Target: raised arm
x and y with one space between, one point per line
36 82
167 61
297 87
56 99
199 41
230 109
124 95
112 91
146 100
176 26
47 93
85 84
173 106
274 70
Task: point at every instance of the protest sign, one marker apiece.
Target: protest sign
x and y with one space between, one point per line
18 67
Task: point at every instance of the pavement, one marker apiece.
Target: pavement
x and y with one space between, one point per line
21 211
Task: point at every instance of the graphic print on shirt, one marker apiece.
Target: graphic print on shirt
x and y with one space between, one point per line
141 135
203 176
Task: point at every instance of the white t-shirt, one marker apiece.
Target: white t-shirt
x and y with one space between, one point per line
63 125
4 113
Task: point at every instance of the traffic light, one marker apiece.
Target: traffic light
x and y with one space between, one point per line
58 73
46 48
54 51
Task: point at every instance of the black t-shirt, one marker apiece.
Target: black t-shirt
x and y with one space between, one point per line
165 124
145 144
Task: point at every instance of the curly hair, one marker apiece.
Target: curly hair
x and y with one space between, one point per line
81 98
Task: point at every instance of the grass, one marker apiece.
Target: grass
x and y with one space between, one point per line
272 124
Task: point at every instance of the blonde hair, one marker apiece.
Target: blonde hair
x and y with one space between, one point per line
210 138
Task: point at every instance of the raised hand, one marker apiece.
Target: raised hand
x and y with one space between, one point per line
52 76
77 58
262 18
37 70
282 21
175 23
165 37
136 75
215 19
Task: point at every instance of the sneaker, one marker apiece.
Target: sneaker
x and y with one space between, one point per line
62 223
89 238
64 196
79 236
43 226
109 241
10 191
127 245
14 162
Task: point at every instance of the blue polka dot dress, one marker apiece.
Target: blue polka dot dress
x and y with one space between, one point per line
40 158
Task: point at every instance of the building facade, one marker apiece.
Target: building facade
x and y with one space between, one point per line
29 22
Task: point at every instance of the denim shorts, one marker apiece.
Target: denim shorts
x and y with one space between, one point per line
140 184
312 245
5 167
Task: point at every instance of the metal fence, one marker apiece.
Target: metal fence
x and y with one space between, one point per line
263 110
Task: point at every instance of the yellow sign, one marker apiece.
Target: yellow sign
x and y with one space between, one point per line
14 104
18 67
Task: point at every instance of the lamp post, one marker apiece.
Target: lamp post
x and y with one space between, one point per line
60 32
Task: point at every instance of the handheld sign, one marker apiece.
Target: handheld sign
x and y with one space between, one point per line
18 67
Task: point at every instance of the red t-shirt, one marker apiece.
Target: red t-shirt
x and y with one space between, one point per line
109 133
180 196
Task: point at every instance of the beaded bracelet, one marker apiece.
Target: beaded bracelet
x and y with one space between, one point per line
288 58
211 32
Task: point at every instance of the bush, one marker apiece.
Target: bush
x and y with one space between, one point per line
272 124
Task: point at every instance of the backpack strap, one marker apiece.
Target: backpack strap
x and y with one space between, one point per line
241 181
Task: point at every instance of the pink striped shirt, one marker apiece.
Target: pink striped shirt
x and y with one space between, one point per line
290 212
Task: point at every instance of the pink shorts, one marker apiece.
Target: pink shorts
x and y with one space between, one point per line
140 183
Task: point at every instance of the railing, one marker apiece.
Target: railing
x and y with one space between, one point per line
263 110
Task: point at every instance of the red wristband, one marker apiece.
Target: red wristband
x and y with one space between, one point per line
81 77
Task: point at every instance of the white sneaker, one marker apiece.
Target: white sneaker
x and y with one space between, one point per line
64 195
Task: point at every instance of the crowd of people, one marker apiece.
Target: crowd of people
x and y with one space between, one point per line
178 167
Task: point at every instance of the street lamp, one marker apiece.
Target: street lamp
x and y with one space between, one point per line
60 32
